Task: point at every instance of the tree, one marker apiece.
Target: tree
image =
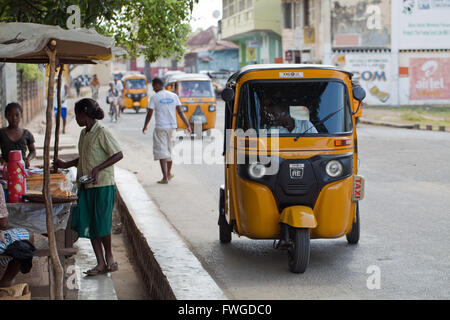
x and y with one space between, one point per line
154 28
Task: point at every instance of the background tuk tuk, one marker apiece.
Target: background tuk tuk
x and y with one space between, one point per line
291 157
134 94
198 101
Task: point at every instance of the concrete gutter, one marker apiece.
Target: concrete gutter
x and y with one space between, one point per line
169 268
388 124
402 126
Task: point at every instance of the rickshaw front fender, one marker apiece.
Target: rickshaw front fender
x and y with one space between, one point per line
298 217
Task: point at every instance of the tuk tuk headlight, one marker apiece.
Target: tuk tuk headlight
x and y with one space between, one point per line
257 170
334 168
184 108
212 108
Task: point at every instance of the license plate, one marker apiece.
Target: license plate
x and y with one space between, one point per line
291 74
296 170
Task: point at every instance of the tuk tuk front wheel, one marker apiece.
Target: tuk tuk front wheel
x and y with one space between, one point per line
353 236
298 253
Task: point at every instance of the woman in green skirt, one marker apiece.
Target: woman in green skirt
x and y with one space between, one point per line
98 152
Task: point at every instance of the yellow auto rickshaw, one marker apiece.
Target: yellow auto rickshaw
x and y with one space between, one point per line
291 157
134 94
198 101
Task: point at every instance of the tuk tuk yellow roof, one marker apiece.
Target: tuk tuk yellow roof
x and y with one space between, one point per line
256 67
133 75
189 76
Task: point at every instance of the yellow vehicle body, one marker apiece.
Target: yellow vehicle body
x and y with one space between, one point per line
259 208
134 94
199 106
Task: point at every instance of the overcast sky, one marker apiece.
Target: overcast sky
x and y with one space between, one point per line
202 16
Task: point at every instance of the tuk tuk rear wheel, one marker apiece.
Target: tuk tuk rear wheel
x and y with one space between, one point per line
353 236
225 229
298 253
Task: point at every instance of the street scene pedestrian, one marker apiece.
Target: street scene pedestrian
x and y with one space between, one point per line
9 235
95 86
166 105
99 151
64 96
13 137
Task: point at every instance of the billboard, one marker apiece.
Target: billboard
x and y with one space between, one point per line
361 23
424 24
429 79
373 71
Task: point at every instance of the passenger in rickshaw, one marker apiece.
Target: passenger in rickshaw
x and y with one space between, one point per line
284 123
203 89
185 90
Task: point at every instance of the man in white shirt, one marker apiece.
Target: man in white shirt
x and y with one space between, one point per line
166 105
285 124
118 85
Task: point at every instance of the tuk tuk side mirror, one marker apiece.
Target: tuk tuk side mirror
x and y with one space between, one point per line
359 94
227 94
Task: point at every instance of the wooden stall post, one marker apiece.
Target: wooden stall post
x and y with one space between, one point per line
57 291
58 119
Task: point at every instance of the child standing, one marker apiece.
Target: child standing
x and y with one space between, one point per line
98 152
15 138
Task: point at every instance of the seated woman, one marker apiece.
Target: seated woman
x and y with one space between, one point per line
8 236
15 138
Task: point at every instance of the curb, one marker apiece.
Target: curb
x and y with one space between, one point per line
402 126
170 270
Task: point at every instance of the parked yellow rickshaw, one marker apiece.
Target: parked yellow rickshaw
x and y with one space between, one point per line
291 157
198 101
134 94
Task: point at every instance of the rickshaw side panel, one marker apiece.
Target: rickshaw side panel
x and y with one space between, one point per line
258 212
334 216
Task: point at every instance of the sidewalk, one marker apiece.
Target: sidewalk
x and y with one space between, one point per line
169 268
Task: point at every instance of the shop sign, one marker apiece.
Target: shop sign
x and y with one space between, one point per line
424 24
429 78
361 23
372 72
288 55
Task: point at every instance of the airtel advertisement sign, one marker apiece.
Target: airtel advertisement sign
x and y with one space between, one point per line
429 79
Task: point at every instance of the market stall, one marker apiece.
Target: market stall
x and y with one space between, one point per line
52 45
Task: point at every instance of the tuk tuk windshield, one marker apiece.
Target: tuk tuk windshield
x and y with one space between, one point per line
135 84
196 89
292 108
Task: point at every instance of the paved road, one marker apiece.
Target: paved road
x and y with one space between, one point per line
405 221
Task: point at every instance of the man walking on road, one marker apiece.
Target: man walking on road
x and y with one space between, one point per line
166 105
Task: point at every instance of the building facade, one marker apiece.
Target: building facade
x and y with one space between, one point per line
302 34
206 53
399 51
254 25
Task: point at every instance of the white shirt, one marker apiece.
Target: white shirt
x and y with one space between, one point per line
119 86
63 95
164 103
300 127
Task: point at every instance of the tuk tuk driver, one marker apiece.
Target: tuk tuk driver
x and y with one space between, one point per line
285 124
